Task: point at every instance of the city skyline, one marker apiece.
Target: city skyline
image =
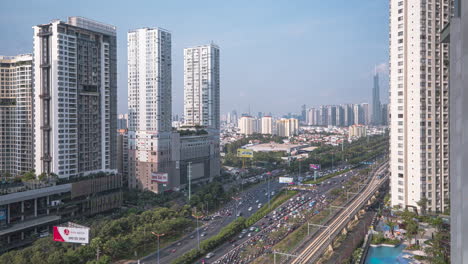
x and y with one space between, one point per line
314 67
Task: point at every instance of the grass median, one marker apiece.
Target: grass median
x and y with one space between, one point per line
232 229
319 180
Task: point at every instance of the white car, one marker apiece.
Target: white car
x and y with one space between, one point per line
250 208
210 255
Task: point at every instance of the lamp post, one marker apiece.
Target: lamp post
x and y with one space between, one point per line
237 203
197 216
158 235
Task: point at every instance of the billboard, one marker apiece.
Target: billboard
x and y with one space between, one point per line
159 177
314 166
71 234
286 179
244 153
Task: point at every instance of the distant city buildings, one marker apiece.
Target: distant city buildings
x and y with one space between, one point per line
16 127
376 105
287 127
267 125
357 131
248 125
201 86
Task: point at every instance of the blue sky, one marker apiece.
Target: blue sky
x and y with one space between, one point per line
275 55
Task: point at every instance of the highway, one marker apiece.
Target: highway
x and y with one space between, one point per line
323 239
234 252
225 215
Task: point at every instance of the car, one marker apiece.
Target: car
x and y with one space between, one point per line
178 244
259 205
249 235
173 250
250 208
239 214
203 234
241 236
244 231
252 228
192 236
209 255
257 201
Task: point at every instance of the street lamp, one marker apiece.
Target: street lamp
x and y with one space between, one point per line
158 235
198 230
237 203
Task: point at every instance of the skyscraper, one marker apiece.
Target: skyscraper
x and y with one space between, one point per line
75 97
358 113
457 35
201 86
419 144
340 115
376 106
149 106
16 129
267 125
366 113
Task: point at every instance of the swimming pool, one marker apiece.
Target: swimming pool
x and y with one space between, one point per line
386 255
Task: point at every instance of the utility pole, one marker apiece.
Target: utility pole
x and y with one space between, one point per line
158 235
189 168
98 252
198 229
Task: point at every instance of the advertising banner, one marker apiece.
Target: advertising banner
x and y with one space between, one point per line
71 234
314 166
159 177
285 180
244 153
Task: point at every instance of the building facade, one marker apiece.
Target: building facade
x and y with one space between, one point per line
75 97
248 125
457 35
201 86
376 105
149 106
419 99
267 125
287 127
16 123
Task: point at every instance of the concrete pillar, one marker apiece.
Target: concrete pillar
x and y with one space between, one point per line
35 207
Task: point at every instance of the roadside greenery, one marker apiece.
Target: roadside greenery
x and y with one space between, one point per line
116 239
232 229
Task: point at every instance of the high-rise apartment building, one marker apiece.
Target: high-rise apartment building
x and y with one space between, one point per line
366 113
311 117
376 105
349 115
201 86
16 128
149 106
419 143
331 117
340 115
267 125
287 127
457 35
247 125
358 113
75 97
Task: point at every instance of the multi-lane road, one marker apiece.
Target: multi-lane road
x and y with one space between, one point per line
314 249
225 216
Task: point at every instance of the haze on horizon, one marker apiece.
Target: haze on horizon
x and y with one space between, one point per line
275 57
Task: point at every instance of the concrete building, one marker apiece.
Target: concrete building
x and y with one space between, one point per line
29 210
419 129
75 97
340 116
122 154
201 86
331 117
457 35
384 112
267 125
349 114
16 119
357 131
149 107
287 127
366 111
323 116
247 125
122 121
376 105
358 114
311 117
